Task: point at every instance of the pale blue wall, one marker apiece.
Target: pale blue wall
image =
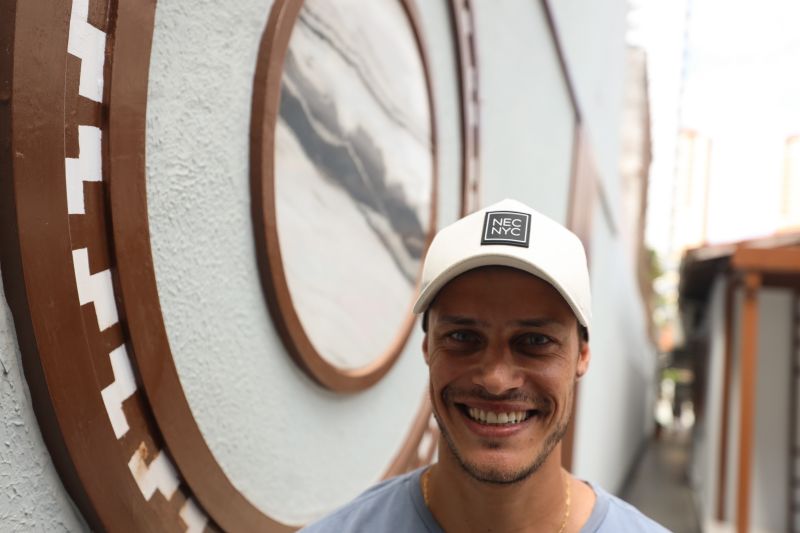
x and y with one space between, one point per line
616 395
526 117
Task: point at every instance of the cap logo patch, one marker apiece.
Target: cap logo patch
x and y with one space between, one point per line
506 227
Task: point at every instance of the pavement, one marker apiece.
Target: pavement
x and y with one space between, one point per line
659 485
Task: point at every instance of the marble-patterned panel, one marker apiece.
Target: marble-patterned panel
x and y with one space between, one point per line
353 175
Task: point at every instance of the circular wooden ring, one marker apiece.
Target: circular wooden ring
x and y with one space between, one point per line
266 102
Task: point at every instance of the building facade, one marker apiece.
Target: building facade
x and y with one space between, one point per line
741 310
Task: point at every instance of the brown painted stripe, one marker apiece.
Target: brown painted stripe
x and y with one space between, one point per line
91 229
99 14
40 285
71 85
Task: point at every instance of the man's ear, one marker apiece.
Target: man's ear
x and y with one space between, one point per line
425 349
584 356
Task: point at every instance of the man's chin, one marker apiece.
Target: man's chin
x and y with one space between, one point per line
497 474
492 462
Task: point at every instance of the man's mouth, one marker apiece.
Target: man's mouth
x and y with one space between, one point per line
493 418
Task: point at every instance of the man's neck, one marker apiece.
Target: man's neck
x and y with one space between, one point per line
459 502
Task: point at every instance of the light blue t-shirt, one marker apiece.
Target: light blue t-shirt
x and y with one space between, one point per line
396 505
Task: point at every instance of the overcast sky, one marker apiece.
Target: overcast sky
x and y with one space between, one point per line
739 85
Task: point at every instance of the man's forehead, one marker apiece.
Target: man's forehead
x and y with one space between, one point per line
468 320
494 276
505 288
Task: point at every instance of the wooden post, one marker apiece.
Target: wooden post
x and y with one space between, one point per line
727 365
748 398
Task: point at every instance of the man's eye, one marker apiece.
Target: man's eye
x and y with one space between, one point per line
534 339
462 336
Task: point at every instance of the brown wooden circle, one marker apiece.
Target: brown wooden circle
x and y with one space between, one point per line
266 102
64 351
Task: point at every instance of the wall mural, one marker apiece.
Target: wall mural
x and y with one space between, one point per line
355 127
77 265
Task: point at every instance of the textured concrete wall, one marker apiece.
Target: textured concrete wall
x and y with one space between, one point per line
32 497
526 117
616 397
593 40
621 378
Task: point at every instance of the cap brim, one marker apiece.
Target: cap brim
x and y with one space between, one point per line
429 292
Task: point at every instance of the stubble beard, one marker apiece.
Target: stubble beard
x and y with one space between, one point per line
495 475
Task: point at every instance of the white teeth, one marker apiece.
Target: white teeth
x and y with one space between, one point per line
489 417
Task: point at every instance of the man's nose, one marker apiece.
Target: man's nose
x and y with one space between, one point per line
498 372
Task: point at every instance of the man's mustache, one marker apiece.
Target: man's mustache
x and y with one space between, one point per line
459 395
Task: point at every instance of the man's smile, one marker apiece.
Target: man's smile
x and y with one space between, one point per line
495 418
498 419
489 415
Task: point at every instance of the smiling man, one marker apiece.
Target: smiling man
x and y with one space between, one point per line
506 308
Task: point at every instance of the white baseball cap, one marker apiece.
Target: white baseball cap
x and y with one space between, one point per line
509 233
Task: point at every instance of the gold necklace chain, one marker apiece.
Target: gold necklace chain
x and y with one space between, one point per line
426 475
566 510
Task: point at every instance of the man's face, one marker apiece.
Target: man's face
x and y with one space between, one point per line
504 354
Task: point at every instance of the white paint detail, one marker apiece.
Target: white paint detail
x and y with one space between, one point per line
160 475
89 44
87 167
95 288
193 517
121 389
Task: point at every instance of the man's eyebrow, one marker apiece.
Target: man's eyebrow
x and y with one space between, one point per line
458 320
537 322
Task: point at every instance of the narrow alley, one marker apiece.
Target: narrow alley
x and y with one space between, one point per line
659 486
